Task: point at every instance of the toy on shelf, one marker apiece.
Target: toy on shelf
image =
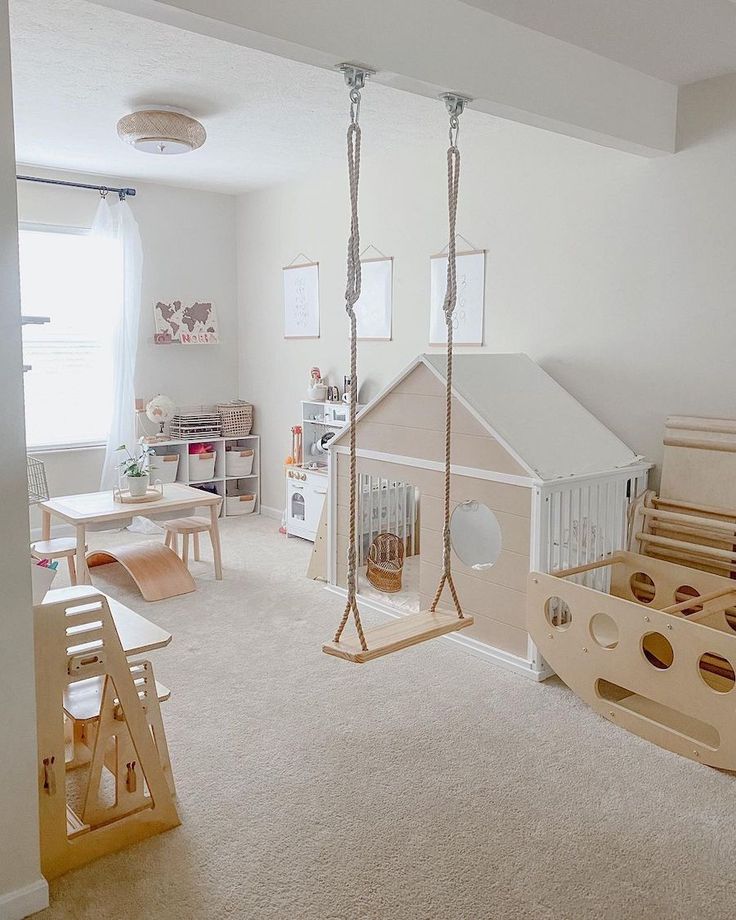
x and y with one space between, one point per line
317 387
159 410
296 445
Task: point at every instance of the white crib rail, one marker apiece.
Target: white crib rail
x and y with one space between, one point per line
385 506
585 520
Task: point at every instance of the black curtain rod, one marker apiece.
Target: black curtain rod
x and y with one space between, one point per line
122 193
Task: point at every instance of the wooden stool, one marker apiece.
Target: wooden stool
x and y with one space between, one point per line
60 548
77 642
82 706
186 526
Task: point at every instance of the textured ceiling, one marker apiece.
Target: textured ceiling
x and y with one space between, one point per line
679 41
78 67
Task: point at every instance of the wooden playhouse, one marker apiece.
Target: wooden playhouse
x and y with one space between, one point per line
553 481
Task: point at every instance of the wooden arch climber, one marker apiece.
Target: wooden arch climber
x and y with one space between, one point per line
426 624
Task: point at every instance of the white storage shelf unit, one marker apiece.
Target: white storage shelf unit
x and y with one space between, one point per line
223 484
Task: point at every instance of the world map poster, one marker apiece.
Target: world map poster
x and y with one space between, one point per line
195 324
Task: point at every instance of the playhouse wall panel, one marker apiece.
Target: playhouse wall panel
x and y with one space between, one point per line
467 450
514 527
506 605
425 412
420 382
492 632
510 569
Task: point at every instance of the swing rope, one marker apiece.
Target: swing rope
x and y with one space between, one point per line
355 78
352 294
453 180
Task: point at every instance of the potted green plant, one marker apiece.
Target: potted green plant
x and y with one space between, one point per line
136 469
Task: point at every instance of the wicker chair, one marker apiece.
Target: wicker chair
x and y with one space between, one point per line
385 563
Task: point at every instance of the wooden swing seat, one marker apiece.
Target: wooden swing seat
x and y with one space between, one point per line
396 635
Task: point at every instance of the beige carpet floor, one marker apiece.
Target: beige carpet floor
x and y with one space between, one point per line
424 785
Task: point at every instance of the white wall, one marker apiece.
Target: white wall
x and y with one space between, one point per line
21 888
617 274
189 253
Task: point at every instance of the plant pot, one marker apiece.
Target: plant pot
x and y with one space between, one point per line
138 485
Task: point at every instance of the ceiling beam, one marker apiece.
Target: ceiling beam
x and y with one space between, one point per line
430 46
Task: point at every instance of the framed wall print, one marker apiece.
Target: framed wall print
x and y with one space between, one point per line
468 316
373 309
301 301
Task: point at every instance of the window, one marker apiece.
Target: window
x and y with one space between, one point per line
75 278
476 535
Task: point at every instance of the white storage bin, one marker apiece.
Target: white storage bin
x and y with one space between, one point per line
202 466
240 504
239 462
41 581
165 467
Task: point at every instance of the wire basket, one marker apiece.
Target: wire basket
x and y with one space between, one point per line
38 490
236 418
195 424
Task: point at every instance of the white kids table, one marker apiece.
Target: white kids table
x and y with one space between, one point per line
156 569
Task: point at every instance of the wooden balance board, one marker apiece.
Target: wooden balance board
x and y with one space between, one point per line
664 668
157 571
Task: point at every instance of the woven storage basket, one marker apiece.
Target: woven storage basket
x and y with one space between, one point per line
236 419
385 563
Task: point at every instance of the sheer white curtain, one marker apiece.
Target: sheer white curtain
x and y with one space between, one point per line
115 225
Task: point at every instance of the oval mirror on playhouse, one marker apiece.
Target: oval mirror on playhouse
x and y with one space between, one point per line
476 535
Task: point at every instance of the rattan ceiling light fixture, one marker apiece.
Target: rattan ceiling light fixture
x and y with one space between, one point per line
161 130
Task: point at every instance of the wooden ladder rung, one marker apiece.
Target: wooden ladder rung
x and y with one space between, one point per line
396 635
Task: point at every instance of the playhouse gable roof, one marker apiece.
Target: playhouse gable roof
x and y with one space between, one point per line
528 412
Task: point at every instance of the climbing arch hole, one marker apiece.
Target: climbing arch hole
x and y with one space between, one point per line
658 650
717 672
558 613
642 587
604 630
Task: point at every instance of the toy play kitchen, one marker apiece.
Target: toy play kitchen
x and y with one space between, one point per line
306 475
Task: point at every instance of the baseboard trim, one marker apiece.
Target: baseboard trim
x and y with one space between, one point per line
275 513
487 652
15 905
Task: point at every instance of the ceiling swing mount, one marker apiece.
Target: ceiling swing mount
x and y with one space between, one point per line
355 74
455 103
